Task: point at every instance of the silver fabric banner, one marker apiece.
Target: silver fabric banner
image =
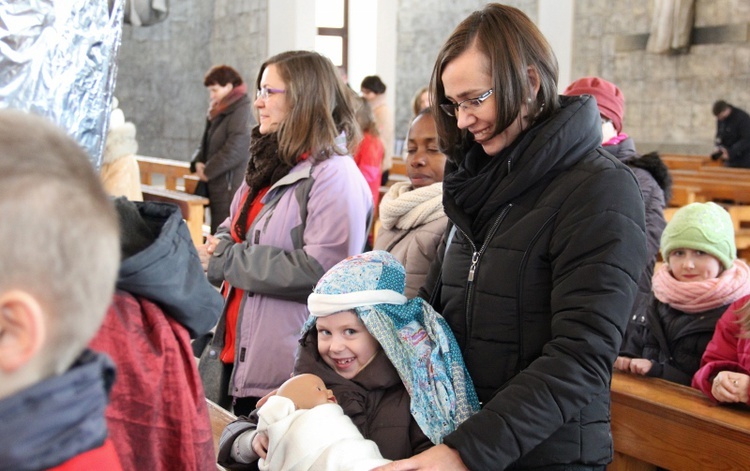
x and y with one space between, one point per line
58 59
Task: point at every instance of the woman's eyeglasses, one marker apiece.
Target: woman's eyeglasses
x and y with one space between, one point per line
265 92
451 109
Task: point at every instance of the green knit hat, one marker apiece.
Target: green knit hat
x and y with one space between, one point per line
701 226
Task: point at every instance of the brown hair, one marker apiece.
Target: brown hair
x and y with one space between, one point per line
416 100
512 44
222 75
366 118
320 107
53 203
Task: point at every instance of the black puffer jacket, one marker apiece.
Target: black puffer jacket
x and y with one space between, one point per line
540 296
656 186
675 340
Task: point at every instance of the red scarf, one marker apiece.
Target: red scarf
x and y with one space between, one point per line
235 295
217 108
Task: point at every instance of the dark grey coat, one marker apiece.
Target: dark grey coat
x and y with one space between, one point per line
225 149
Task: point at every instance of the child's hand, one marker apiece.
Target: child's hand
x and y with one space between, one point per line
640 366
729 386
263 399
623 364
260 444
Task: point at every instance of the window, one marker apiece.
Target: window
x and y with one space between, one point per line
332 21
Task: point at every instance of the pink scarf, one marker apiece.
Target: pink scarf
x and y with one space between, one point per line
699 296
215 109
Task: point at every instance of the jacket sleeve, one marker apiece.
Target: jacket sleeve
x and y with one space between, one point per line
721 351
597 251
236 149
199 155
740 149
229 435
419 255
335 228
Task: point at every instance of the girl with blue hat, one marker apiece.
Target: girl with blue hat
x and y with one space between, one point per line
392 363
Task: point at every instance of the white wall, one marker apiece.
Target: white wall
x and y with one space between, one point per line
556 23
291 25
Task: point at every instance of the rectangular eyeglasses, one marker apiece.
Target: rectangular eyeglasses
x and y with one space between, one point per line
470 104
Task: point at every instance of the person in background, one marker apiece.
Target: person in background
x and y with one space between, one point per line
58 262
157 416
223 151
411 213
700 279
373 90
369 154
303 206
119 172
540 273
420 101
724 375
653 179
732 135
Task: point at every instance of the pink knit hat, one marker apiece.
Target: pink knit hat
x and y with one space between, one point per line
609 98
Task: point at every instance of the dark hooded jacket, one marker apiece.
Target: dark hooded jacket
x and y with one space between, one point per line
656 186
537 282
376 401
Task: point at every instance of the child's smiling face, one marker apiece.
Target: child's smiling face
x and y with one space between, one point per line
344 343
693 265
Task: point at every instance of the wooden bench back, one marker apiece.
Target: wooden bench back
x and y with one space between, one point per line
220 418
658 423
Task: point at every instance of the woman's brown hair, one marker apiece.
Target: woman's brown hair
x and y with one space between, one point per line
512 44
222 75
320 107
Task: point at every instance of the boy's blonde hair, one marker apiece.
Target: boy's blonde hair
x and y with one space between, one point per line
59 237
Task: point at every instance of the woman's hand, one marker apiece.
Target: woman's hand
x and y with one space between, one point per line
206 250
640 366
260 444
729 386
440 457
200 168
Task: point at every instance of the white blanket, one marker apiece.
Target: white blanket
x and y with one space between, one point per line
319 439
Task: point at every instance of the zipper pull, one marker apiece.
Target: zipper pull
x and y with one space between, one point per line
473 267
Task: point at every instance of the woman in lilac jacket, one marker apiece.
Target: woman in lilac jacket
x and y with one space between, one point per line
303 207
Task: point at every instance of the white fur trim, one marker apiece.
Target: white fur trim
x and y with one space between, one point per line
321 305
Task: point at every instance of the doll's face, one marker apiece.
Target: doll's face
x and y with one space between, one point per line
306 391
344 343
693 265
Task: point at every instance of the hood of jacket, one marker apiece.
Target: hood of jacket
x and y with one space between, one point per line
59 418
160 263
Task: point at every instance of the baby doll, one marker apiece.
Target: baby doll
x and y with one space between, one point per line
307 430
700 279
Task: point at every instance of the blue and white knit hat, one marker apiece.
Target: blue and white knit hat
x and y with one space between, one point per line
415 338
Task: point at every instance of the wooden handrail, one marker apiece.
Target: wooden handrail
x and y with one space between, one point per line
173 170
220 418
659 423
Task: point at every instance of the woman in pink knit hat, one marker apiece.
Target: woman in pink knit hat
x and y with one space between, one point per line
653 179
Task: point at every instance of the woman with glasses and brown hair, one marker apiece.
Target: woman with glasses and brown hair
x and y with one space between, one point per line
539 271
303 207
222 153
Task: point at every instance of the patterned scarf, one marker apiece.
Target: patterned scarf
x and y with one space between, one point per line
404 207
698 296
217 108
264 168
416 339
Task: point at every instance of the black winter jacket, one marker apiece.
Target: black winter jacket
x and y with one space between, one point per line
539 296
733 133
655 184
675 340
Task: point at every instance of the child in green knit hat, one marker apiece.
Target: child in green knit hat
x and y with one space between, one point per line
700 278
